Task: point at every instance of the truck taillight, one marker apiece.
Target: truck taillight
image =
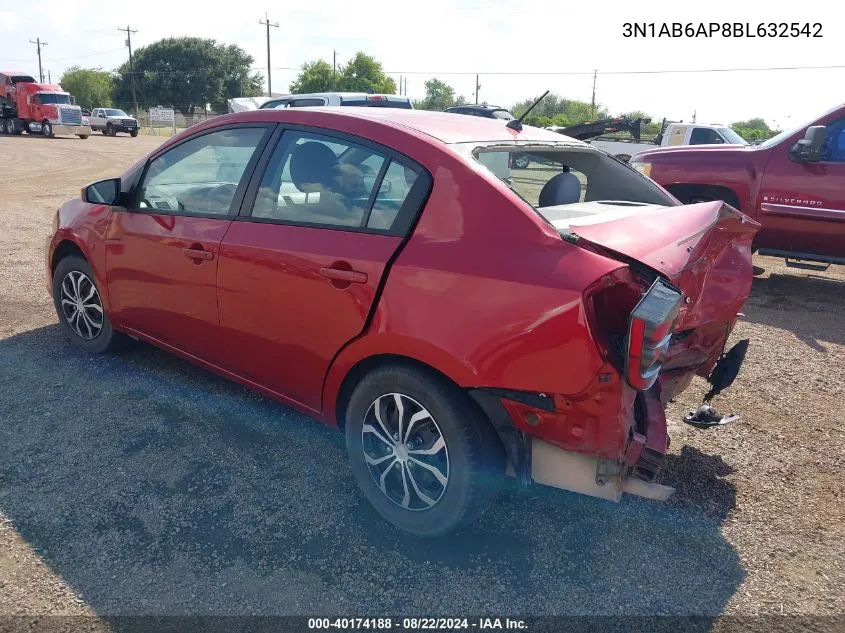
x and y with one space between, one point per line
649 334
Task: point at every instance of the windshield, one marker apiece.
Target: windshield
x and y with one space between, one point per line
377 103
503 114
777 138
554 178
732 137
116 113
52 97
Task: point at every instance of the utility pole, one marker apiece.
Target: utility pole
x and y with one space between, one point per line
593 102
129 33
477 88
37 41
266 22
694 112
50 80
334 69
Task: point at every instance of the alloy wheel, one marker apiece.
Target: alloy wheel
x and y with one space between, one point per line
81 305
405 452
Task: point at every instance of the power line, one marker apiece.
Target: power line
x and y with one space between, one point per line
59 59
603 72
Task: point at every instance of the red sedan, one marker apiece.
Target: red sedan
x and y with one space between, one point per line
386 272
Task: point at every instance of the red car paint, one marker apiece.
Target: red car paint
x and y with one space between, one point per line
800 205
483 290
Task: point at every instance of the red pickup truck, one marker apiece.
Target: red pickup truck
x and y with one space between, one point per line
793 185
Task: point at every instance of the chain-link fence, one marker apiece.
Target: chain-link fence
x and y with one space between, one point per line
183 117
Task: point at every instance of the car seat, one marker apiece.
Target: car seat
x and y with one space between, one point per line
313 166
563 188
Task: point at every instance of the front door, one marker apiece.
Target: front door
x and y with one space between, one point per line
300 269
802 204
162 252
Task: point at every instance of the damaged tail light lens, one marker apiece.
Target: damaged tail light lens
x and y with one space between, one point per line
649 333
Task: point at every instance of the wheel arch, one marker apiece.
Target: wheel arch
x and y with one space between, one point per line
686 191
364 366
63 249
66 244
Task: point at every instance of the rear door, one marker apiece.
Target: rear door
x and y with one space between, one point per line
96 119
162 251
802 205
301 266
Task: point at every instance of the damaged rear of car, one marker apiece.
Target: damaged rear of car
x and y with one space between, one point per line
660 315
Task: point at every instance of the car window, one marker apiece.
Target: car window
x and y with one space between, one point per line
315 180
705 136
397 182
304 103
201 175
558 177
834 146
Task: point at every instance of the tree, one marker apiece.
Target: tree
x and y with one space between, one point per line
753 129
92 87
189 72
438 96
365 74
316 76
556 110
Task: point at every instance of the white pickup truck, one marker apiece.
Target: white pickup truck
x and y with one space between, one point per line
673 135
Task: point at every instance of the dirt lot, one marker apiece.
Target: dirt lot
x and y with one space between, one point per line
139 484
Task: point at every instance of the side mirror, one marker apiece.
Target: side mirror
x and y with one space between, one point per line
102 192
809 149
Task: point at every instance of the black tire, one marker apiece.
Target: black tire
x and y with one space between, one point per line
133 133
4 128
82 136
105 339
110 130
47 129
475 463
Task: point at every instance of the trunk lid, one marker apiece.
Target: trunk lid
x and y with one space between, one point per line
703 249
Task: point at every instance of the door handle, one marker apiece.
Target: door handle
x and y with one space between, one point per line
349 276
198 253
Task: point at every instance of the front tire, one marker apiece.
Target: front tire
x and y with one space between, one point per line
80 307
47 129
133 133
110 131
423 456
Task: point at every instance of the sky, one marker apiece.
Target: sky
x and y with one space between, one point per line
518 49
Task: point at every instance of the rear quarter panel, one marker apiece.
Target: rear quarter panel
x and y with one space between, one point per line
485 292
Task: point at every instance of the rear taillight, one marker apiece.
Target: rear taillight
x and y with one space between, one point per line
649 334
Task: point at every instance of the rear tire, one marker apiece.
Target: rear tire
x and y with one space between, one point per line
447 468
79 307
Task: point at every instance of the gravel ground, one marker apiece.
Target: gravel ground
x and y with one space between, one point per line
139 484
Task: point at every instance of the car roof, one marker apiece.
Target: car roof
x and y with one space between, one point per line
446 127
344 94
